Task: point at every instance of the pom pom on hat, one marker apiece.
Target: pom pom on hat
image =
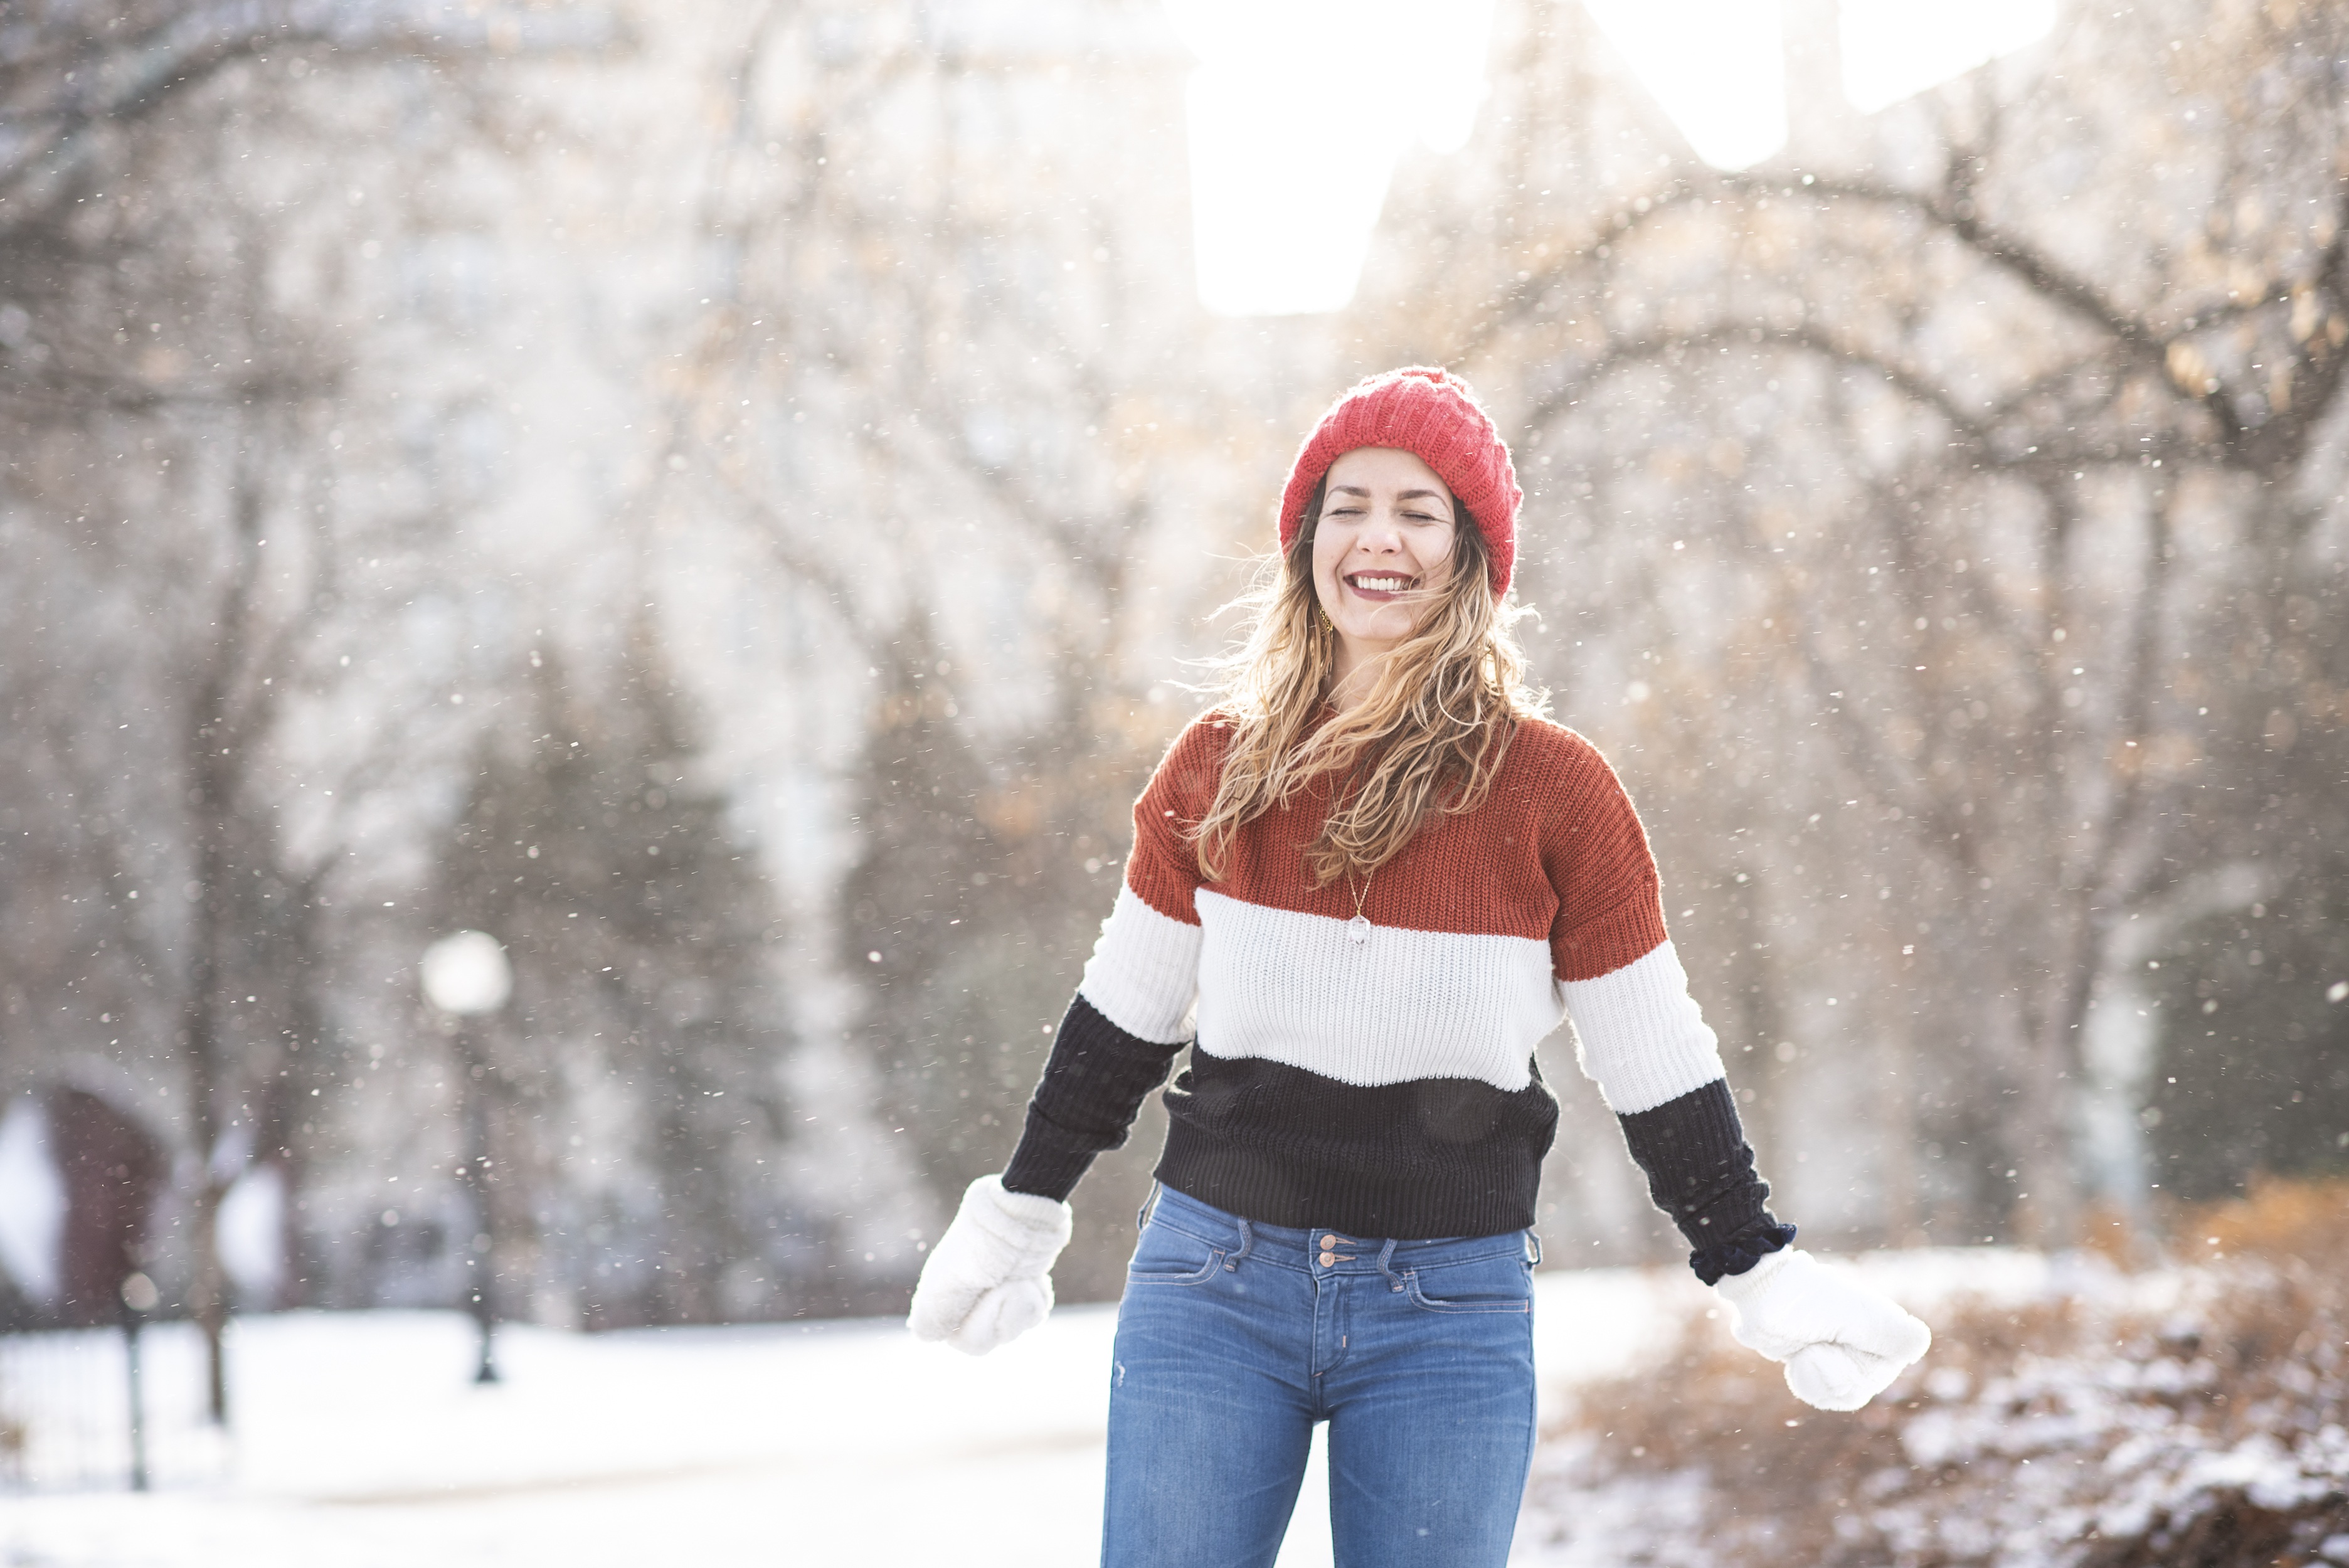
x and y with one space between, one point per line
1431 414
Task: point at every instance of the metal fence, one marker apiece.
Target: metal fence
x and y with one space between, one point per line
65 1410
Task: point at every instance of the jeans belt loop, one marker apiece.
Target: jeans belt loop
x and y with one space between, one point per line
1248 1242
1533 1247
1386 1258
1149 1201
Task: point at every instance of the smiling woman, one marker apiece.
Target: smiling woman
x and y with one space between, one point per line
1405 476
1363 888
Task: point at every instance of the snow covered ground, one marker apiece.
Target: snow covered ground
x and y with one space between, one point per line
360 1441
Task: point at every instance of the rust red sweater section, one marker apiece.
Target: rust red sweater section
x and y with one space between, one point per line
1555 852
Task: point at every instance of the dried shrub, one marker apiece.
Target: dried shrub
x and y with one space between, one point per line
2279 1220
2194 1415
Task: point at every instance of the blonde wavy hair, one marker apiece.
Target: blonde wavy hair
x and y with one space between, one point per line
1429 736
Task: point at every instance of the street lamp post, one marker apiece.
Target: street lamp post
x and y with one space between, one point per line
138 1298
466 977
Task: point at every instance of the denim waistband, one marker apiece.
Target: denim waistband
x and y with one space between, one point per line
1287 1246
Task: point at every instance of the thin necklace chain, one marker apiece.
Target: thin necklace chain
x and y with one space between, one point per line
1358 929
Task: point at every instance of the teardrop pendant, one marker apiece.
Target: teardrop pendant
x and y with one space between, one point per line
1359 929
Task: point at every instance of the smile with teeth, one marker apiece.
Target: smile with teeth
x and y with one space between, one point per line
1366 582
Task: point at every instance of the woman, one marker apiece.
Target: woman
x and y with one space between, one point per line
1361 890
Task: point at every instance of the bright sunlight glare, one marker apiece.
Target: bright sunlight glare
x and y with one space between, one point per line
1299 109
1298 112
1894 49
1715 67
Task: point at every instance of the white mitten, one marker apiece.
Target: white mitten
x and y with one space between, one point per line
1842 1343
990 1278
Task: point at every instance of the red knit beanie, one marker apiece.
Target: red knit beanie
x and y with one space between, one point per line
1431 414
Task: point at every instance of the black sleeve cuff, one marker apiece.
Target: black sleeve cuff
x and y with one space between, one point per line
1713 1264
1084 1104
1701 1171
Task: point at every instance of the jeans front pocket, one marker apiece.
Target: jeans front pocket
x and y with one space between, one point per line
1166 1255
1501 1283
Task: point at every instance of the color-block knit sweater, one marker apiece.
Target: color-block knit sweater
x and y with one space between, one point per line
1385 1084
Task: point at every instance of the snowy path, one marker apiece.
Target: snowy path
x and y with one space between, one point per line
360 1443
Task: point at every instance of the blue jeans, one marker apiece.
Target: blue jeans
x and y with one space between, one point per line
1234 1339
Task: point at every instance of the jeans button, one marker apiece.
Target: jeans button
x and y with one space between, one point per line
1329 1243
1329 1258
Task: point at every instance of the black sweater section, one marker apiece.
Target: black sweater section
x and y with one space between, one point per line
1699 1166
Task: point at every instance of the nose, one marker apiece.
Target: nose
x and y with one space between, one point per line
1382 532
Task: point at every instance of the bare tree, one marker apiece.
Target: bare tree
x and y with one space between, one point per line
1971 469
170 396
945 382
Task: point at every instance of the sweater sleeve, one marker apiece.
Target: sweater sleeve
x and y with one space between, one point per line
1638 1033
1132 1014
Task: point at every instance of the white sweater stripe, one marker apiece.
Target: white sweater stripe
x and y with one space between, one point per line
1143 972
1405 1005
1642 1038
1278 986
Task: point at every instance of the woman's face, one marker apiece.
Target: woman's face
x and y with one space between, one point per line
1381 549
